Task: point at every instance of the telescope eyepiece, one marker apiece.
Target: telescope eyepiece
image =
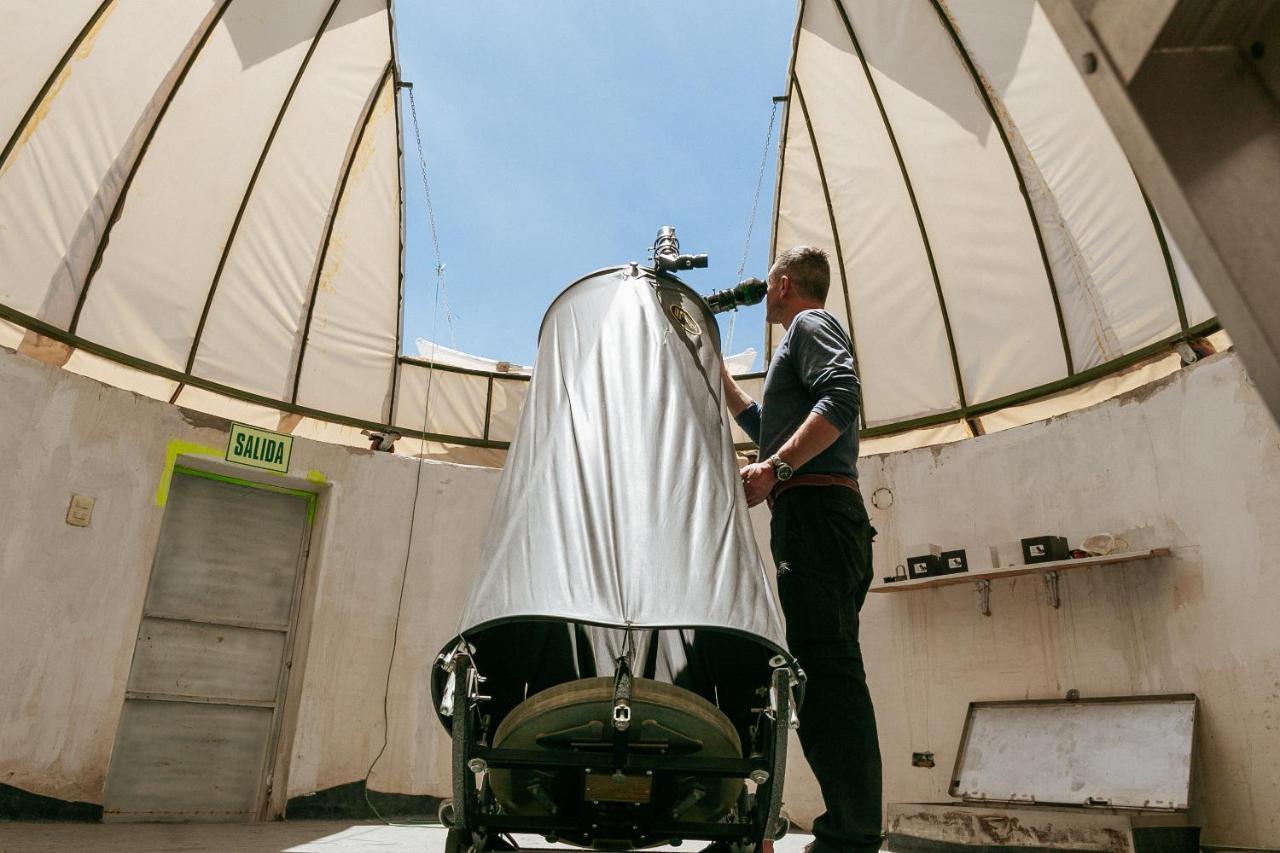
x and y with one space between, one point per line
749 291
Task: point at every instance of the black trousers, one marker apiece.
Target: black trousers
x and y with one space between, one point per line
821 542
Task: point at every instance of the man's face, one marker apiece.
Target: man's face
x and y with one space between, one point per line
773 297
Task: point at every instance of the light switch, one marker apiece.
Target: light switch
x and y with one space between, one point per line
80 511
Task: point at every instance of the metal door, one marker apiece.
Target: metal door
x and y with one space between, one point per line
204 698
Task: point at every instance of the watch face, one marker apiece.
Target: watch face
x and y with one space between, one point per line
783 470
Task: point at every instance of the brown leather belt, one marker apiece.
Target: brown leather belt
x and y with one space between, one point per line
811 480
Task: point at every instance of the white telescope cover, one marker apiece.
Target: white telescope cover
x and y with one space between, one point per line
620 502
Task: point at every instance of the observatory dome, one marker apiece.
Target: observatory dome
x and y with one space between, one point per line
206 206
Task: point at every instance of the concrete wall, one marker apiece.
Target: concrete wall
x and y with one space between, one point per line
1192 462
71 598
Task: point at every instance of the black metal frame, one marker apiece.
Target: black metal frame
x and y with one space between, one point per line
472 824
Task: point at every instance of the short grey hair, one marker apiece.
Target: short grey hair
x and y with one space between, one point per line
808 267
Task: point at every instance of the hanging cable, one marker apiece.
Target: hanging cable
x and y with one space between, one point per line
751 221
440 289
431 219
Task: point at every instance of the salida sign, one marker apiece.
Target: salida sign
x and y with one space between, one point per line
259 448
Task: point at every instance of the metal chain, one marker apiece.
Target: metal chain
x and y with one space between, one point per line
751 222
431 219
755 203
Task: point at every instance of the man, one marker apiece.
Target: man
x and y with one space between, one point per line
807 432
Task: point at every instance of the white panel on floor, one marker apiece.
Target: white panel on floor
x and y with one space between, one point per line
430 839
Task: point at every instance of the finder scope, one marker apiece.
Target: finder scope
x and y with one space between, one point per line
666 253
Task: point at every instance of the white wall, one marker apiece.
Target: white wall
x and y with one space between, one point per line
71 598
1192 462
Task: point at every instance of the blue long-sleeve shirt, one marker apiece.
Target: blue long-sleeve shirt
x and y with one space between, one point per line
811 371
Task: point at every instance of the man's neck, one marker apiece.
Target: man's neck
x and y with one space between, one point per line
794 312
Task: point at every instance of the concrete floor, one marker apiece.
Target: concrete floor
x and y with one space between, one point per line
280 837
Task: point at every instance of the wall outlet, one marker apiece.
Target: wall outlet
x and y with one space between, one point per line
80 512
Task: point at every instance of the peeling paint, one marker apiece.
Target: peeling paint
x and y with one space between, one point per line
363 156
177 447
83 52
41 348
997 826
201 420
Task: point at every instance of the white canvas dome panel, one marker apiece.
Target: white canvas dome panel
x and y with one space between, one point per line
911 439
163 250
33 41
118 375
998 297
208 192
457 401
886 266
58 187
504 413
350 349
1049 269
260 300
1101 206
230 408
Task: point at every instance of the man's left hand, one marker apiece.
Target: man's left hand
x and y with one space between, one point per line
758 479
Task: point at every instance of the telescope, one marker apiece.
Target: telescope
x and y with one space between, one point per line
619 677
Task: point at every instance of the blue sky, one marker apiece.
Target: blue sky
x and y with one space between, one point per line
560 135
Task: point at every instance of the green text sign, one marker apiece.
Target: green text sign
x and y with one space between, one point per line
260 448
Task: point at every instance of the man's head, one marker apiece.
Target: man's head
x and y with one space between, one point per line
799 279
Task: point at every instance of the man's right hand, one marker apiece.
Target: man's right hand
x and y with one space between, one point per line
758 480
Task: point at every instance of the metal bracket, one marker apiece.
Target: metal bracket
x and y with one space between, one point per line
1051 585
622 695
983 589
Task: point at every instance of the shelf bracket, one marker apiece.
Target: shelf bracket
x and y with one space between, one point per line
1051 586
983 589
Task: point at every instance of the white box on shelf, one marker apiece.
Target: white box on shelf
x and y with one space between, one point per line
1005 554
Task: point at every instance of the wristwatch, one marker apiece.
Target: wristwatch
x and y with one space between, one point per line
781 470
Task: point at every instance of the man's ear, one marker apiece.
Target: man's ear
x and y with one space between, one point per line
784 286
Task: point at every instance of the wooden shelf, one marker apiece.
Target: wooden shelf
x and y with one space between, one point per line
982 579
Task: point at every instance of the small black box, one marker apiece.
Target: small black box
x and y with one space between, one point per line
926 566
953 562
1044 549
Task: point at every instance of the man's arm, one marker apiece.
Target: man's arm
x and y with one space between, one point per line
744 410
734 397
815 435
826 367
